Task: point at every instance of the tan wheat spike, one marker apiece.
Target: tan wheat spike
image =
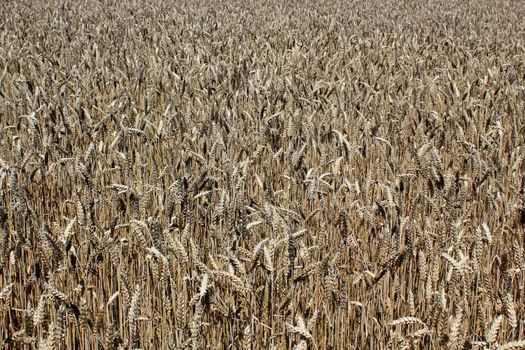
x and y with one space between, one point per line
492 333
302 345
6 291
247 338
407 320
268 262
233 281
133 316
514 345
204 286
455 329
510 310
300 328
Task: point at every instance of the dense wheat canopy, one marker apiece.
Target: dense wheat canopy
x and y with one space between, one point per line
262 174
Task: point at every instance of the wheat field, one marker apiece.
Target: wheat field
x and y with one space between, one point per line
262 175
